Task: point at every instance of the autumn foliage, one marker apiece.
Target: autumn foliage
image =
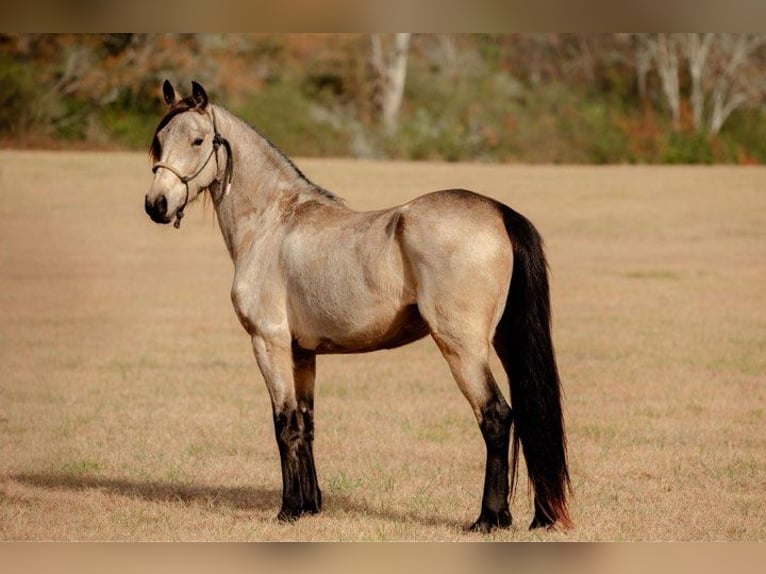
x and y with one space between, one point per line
540 98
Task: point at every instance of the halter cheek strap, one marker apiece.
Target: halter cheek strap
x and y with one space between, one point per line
218 140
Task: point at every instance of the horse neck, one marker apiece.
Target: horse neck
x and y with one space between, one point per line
264 183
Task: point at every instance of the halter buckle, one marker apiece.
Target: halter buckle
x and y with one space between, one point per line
179 216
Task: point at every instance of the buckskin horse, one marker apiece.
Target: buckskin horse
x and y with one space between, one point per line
312 276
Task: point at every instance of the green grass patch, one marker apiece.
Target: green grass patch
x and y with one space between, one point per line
80 467
342 482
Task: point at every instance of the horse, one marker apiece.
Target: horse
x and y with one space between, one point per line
313 276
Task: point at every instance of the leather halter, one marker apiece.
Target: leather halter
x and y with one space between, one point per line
218 140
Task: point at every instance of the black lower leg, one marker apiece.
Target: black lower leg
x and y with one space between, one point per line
312 496
495 428
541 518
300 493
288 436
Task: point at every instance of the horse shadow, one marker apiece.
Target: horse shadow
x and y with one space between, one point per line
240 498
245 498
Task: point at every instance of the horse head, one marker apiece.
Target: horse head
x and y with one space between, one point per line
185 142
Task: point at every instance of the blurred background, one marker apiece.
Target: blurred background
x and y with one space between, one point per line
521 98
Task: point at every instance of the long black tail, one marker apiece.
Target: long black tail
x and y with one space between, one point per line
525 347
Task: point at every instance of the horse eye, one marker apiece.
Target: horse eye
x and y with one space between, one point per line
197 141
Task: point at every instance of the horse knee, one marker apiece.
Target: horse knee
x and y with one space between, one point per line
495 423
295 431
288 428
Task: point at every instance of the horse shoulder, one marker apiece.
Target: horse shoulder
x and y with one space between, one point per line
258 296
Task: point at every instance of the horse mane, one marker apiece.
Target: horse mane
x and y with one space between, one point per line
326 193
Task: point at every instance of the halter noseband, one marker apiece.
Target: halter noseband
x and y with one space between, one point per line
218 139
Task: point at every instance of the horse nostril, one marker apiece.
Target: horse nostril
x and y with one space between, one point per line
157 210
161 206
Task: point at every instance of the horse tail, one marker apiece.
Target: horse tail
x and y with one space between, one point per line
524 345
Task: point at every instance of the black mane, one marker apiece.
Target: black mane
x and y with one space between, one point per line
317 188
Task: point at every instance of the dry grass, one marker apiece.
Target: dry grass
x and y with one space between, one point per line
131 407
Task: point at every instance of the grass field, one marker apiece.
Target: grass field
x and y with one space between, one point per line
131 407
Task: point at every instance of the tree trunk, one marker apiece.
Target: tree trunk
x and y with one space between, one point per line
697 50
643 66
666 58
391 74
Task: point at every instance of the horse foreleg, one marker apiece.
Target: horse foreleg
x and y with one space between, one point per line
300 492
293 423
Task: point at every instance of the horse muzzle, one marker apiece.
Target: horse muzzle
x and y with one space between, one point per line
157 210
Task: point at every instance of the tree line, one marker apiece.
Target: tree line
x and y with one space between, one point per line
685 97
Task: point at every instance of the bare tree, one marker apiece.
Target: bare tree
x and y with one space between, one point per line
643 64
663 51
723 72
738 79
697 48
390 70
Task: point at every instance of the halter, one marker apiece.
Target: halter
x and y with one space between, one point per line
218 139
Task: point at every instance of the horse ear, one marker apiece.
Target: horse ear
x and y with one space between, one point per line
169 92
199 95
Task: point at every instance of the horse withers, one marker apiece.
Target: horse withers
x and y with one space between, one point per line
312 276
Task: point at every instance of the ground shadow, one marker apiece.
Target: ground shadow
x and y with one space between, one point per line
241 497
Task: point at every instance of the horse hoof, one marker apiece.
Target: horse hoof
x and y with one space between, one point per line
541 522
288 515
313 506
481 527
488 522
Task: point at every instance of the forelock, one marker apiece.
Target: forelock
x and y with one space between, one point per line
181 106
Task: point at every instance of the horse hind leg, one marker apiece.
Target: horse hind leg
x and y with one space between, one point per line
474 378
462 325
462 318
